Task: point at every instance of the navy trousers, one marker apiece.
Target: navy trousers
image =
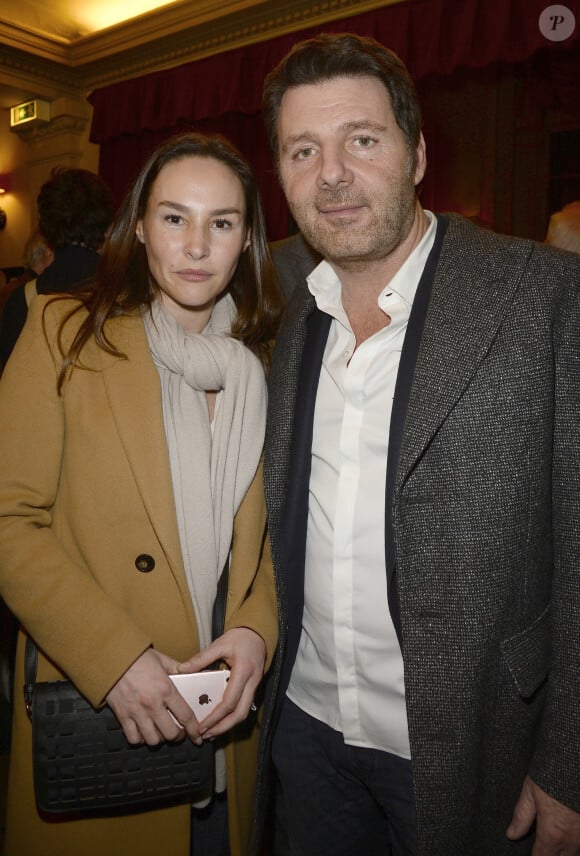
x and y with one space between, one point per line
339 800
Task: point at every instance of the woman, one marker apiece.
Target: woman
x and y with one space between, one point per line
130 444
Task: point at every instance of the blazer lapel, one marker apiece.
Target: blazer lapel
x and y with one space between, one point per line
134 395
296 508
288 525
471 294
402 392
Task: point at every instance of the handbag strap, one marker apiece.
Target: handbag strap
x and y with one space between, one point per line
30 664
218 620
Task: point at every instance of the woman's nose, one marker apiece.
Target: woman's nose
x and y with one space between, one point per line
196 242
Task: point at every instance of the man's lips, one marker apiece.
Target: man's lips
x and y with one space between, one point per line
340 210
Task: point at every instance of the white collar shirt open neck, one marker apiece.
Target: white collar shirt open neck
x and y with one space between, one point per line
349 670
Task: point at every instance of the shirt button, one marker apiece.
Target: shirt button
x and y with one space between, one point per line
144 563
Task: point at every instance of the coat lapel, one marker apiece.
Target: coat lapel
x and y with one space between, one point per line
475 283
134 394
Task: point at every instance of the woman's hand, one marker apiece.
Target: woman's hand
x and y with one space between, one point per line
142 698
244 651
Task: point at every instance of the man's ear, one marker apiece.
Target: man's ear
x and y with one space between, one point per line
420 161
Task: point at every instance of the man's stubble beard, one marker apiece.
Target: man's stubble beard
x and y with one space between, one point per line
352 246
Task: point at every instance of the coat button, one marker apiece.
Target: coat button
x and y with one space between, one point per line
144 563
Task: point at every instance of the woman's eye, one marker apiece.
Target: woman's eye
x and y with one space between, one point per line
173 219
222 224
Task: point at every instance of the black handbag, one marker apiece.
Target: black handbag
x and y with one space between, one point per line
83 764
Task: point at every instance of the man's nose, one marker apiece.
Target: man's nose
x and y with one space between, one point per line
334 167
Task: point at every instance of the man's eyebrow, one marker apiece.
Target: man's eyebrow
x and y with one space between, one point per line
363 125
295 139
346 127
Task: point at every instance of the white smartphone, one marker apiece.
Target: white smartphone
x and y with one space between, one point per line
202 690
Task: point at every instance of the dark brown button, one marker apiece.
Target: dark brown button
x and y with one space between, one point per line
144 563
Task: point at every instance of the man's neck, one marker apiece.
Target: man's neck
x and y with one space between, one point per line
367 279
361 286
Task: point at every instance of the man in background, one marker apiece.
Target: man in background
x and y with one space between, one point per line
564 228
75 209
293 259
37 257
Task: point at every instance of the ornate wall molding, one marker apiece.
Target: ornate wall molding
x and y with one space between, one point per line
56 127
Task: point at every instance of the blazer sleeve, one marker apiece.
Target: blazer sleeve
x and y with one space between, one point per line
59 601
556 763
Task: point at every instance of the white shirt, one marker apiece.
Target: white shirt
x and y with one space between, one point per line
349 669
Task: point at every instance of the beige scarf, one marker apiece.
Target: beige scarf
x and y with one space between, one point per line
211 471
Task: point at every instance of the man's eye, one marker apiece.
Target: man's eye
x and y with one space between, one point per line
304 153
364 142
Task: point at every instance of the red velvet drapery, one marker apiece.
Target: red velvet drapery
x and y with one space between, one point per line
223 92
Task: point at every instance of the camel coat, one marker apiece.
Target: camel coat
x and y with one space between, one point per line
85 488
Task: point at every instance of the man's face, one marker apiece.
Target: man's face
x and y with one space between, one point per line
346 169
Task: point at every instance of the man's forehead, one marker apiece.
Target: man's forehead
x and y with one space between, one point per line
343 101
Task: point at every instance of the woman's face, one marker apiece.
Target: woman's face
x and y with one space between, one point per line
194 233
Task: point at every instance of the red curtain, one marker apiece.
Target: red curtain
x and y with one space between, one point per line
222 93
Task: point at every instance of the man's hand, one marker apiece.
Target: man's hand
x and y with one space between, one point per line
142 698
245 653
557 826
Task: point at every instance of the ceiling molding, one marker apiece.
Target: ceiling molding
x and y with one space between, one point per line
159 25
33 65
176 32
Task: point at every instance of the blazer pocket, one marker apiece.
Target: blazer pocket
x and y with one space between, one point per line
527 655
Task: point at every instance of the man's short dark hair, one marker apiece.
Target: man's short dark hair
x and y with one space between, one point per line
75 206
344 55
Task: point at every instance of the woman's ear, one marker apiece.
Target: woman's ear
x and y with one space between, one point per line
247 241
139 231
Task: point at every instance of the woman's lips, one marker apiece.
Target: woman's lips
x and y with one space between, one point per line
191 275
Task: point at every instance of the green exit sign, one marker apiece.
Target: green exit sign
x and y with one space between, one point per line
26 111
30 113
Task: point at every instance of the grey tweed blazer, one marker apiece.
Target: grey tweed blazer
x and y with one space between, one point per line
486 521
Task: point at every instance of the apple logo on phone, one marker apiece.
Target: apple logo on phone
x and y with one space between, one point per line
204 699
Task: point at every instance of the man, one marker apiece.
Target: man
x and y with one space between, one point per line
293 260
422 473
564 228
37 257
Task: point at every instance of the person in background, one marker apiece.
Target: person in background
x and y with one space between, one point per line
564 228
133 416
75 209
37 257
422 466
293 260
